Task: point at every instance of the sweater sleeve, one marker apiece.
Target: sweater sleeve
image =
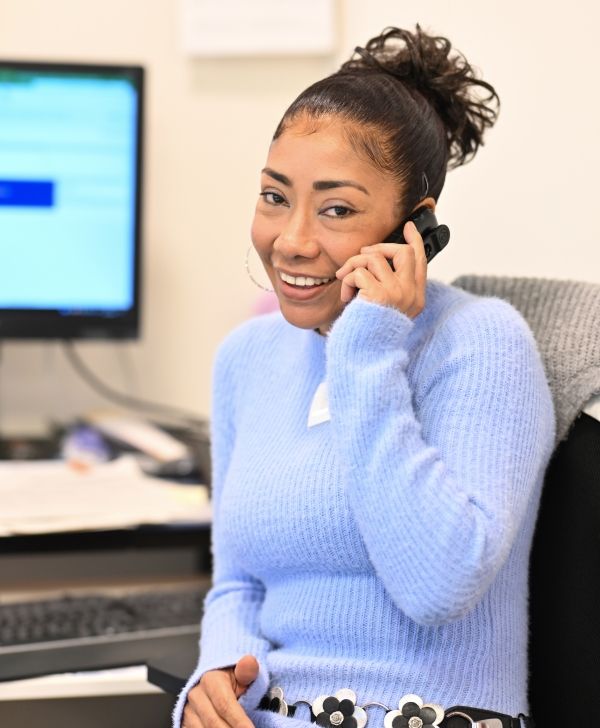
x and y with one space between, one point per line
439 479
230 622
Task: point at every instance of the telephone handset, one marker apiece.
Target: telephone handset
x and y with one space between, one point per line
435 237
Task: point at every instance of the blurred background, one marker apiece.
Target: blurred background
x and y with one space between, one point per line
523 207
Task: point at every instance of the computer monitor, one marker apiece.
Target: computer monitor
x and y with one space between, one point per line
70 200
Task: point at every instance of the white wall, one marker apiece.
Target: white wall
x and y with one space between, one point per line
523 207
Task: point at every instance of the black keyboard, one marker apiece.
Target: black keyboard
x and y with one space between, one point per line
96 631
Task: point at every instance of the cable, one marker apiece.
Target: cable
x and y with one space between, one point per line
125 400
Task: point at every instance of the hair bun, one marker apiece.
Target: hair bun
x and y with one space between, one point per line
424 63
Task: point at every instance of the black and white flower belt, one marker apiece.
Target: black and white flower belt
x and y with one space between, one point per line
341 711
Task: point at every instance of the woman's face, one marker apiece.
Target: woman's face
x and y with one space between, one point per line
319 204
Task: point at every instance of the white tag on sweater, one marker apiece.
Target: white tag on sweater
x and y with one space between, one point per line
319 408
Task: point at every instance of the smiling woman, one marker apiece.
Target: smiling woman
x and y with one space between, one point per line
379 443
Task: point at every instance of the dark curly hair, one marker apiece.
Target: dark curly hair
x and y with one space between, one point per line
414 108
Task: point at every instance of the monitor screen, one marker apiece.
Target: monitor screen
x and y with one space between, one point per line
70 200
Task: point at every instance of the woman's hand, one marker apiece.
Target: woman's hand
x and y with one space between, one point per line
213 702
402 287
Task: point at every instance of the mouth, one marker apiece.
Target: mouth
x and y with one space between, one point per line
303 280
301 288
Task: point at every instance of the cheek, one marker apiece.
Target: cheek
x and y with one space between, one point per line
339 254
262 233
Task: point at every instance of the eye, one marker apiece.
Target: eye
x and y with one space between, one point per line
338 211
272 198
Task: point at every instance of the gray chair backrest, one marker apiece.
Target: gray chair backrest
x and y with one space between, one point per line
564 317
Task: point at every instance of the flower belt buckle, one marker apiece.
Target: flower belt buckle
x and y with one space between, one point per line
340 709
485 723
413 713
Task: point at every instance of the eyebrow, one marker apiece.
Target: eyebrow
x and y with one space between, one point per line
278 176
329 184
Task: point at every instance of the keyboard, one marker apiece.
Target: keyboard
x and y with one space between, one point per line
96 631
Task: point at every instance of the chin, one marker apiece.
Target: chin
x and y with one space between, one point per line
303 318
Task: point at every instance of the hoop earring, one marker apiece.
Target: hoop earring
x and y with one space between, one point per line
252 278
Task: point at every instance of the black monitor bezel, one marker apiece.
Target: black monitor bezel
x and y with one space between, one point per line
52 324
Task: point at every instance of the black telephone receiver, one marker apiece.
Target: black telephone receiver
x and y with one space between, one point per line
435 237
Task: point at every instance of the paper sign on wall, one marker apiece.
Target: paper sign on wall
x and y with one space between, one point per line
214 28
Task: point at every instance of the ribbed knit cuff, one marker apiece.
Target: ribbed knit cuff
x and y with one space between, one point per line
366 325
193 680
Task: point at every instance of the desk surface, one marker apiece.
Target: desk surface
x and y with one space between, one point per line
150 536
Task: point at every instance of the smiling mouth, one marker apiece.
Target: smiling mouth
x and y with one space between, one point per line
303 281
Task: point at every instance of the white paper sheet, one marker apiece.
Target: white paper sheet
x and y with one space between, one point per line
120 681
217 28
50 496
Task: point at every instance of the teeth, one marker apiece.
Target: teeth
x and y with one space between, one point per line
303 280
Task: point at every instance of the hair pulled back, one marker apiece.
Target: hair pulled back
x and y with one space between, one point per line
413 107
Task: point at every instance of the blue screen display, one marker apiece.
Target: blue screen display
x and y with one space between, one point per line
68 146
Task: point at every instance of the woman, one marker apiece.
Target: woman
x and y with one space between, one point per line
379 445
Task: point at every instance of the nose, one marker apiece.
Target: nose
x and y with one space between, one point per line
297 237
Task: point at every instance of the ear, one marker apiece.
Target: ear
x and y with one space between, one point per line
426 202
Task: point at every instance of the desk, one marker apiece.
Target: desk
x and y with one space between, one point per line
61 542
195 536
131 557
118 711
47 562
48 565
105 553
73 534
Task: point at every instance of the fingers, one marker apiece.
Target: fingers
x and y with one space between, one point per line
402 286
362 260
414 239
359 280
363 271
225 703
245 672
190 719
213 703
369 270
200 713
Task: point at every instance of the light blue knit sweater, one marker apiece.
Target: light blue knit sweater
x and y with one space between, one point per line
385 550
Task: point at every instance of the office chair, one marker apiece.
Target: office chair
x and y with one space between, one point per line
564 637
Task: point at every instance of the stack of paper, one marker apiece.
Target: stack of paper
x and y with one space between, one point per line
50 496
